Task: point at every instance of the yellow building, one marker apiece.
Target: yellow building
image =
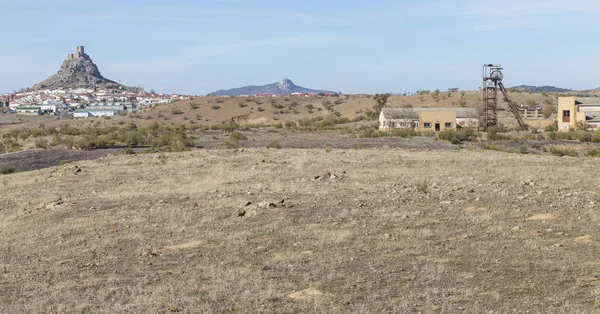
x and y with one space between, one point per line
428 119
437 120
572 110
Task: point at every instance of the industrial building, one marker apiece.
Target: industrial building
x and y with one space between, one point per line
29 110
572 110
90 113
428 119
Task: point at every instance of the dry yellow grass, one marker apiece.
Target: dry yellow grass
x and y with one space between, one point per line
143 234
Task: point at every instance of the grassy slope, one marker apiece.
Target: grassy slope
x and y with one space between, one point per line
158 234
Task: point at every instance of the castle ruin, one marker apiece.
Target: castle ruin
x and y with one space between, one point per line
78 54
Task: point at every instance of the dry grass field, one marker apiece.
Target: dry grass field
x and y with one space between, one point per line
298 231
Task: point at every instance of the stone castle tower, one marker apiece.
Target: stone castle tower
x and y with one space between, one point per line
80 52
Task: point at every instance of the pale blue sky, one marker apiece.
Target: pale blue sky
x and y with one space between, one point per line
352 46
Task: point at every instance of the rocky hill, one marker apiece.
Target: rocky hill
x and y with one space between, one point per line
77 71
541 89
283 87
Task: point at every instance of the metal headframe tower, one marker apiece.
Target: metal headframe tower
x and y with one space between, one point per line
492 83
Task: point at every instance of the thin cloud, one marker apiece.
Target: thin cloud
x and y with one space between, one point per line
294 41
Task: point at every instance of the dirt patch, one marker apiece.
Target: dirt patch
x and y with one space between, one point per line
187 245
306 294
473 209
586 239
544 217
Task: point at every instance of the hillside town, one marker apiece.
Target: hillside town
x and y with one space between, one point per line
79 90
81 102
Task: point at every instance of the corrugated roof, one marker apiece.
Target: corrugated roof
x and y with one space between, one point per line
588 100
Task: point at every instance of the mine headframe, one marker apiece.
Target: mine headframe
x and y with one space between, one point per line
492 84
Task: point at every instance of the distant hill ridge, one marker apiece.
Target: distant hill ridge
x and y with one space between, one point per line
283 87
77 71
541 89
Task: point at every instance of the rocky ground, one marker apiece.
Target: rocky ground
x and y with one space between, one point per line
313 230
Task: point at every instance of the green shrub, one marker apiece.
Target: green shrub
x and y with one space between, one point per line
57 140
458 136
41 143
276 105
584 136
4 169
563 151
273 144
194 105
523 149
404 133
593 153
237 136
128 151
176 111
230 144
551 128
369 133
422 186
494 147
492 132
62 162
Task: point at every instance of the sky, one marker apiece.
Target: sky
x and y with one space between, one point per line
349 46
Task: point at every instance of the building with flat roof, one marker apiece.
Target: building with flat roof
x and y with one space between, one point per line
573 110
29 110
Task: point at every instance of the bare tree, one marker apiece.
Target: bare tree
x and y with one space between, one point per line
381 102
406 116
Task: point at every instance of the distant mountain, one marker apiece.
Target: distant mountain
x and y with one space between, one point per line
283 87
78 70
541 89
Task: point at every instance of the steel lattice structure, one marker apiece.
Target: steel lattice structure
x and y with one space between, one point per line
492 83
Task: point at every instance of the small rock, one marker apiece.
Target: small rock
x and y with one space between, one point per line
266 204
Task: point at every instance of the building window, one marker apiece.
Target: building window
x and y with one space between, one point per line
566 116
448 124
427 125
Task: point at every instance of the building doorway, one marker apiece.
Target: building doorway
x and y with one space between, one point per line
437 126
